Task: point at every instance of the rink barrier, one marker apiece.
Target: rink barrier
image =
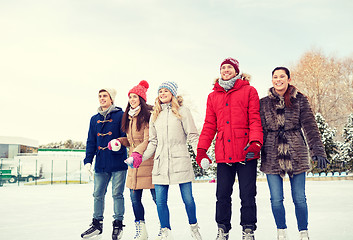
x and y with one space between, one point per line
40 172
336 176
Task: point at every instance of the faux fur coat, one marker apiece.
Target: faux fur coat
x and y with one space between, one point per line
285 148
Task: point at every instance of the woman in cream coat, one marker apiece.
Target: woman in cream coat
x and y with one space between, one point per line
171 126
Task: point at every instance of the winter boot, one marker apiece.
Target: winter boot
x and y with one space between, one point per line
248 234
166 234
304 235
95 229
195 231
141 231
117 229
282 234
222 234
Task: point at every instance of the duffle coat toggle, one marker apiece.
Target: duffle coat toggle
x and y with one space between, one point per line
104 134
104 121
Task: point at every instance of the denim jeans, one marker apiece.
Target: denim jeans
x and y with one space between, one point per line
137 206
297 182
162 206
101 181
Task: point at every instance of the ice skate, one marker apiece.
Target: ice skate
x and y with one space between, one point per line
248 234
117 230
282 234
141 231
222 235
166 234
159 236
195 231
304 235
95 229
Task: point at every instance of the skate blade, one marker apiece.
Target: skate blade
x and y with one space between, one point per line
95 237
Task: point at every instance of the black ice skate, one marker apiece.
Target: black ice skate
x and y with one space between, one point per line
117 230
95 229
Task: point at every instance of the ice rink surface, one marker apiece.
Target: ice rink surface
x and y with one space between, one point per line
63 212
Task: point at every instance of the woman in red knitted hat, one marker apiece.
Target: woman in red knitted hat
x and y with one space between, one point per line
135 123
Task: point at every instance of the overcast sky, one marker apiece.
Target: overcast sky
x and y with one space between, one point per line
56 55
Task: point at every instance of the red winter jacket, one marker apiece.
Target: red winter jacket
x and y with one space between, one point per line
235 117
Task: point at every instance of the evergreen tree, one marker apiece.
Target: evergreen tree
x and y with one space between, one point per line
195 166
212 171
347 147
327 137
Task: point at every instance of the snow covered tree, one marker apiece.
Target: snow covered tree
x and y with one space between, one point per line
327 137
212 171
195 166
347 146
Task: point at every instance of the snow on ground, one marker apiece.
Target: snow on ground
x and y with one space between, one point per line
60 212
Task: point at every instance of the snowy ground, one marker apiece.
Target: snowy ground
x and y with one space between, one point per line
64 211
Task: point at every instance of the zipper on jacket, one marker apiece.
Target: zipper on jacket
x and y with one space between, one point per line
169 155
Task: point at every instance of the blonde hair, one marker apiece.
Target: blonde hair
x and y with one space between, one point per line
176 102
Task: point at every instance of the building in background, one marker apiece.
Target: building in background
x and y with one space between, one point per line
10 147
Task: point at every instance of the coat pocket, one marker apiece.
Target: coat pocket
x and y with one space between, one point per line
155 169
219 146
241 139
181 164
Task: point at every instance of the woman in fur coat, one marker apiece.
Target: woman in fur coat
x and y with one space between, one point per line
135 124
289 128
171 127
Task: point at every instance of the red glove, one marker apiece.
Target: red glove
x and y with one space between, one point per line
252 151
201 154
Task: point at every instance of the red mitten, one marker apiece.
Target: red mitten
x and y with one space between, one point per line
137 159
252 151
201 154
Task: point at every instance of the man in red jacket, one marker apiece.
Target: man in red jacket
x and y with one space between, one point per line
233 113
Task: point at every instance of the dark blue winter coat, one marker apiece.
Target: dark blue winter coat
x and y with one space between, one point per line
99 135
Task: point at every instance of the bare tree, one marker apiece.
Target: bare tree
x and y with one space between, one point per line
325 81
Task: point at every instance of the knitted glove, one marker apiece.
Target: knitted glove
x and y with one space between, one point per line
114 145
130 162
137 159
321 161
252 151
202 157
88 168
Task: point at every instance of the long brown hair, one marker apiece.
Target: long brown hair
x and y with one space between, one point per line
142 117
287 94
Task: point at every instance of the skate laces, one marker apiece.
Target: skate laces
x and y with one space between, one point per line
138 229
221 235
160 232
248 234
195 231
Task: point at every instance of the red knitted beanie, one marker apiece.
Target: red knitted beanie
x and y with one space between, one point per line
140 89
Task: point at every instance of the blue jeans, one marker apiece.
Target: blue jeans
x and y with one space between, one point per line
297 182
136 196
101 181
162 206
